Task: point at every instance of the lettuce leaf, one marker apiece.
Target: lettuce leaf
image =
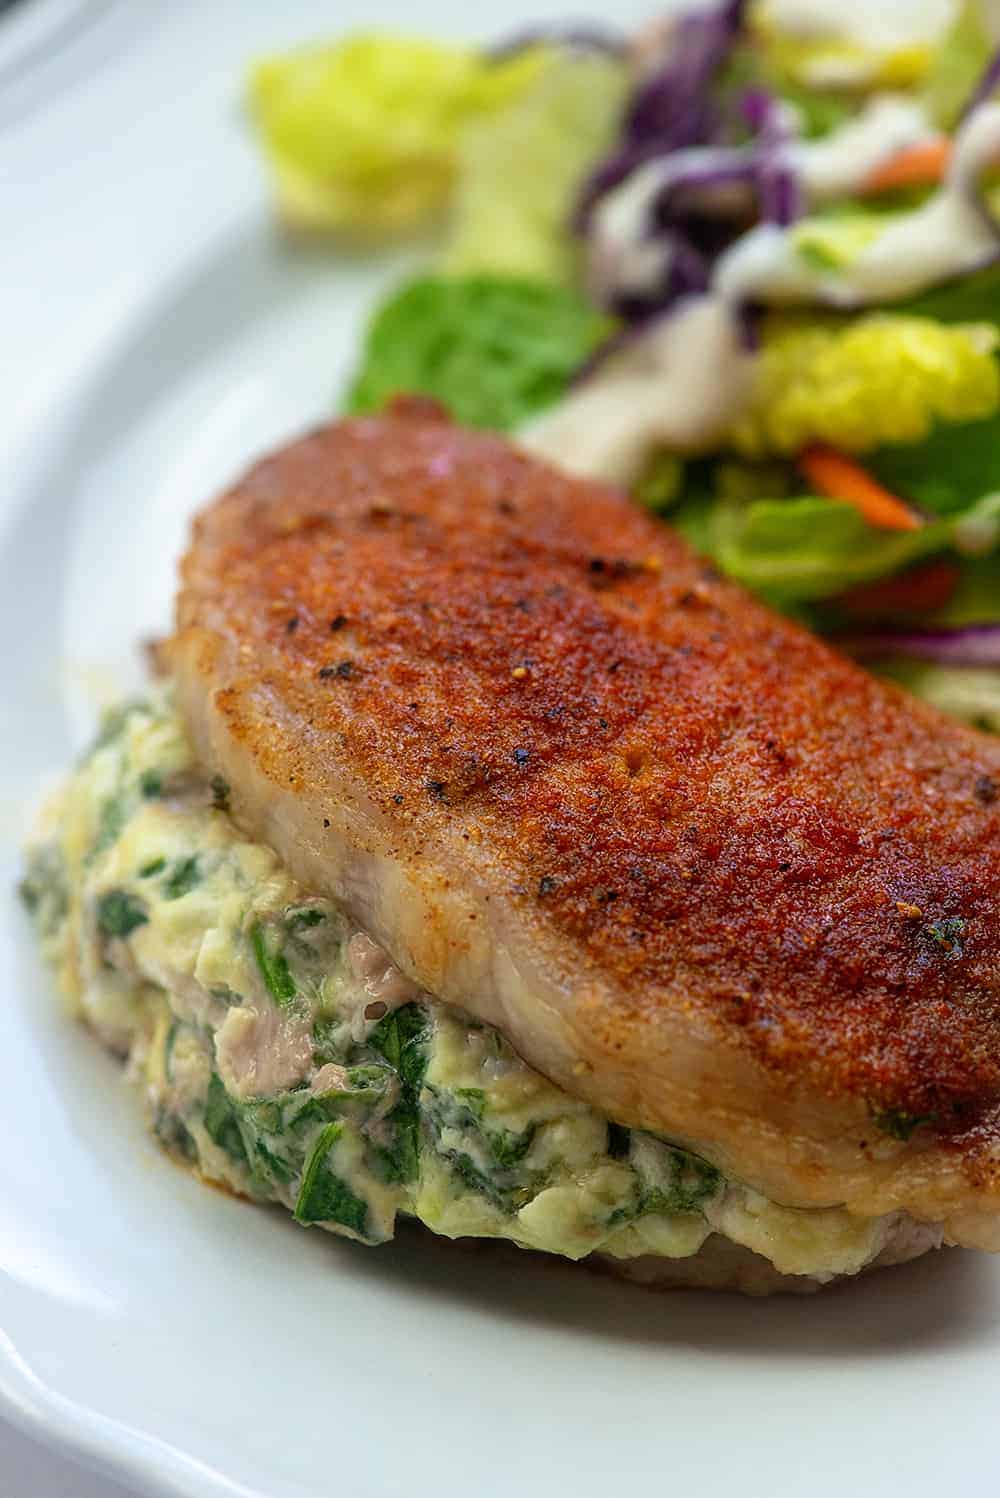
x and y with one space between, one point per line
802 550
494 349
968 692
958 64
947 471
822 55
876 379
965 299
977 598
516 221
363 135
809 548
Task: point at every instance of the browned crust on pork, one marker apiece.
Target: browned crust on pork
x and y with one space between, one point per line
721 815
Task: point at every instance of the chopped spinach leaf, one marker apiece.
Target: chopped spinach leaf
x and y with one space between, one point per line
490 1160
474 1099
399 1162
401 1038
367 1078
151 784
168 1049
174 1135
324 1196
506 1190
113 722
225 994
692 1182
119 913
255 1120
30 895
110 820
314 1108
507 1148
324 1039
269 1166
273 967
222 1122
44 888
155 866
669 1180
265 1114
220 792
619 1139
470 1175
182 878
302 917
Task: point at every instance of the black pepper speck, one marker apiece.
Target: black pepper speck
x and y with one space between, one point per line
343 669
986 790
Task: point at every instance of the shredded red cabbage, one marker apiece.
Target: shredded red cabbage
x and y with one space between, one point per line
973 645
695 193
779 193
673 107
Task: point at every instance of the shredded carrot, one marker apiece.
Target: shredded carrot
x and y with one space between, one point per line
839 477
920 590
915 166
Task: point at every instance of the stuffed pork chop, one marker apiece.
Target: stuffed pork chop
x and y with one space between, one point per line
501 866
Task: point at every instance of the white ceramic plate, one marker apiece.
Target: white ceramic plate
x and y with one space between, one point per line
156 335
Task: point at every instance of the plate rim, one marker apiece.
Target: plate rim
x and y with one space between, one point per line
109 1447
112 1447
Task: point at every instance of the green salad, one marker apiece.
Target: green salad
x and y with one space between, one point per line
747 268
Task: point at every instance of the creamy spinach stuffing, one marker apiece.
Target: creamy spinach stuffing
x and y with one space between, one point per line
282 1055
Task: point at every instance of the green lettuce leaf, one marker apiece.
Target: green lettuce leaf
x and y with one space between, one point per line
802 550
972 298
517 222
958 64
809 548
494 349
363 135
968 692
977 597
948 471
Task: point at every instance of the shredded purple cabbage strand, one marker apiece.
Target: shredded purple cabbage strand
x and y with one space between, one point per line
971 645
673 107
703 191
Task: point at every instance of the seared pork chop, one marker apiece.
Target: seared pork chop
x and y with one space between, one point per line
698 868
